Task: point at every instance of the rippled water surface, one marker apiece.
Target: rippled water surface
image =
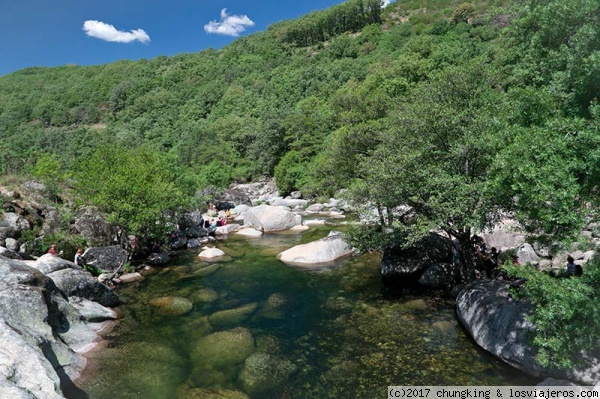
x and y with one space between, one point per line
260 329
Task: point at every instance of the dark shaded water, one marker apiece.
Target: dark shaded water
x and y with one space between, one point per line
293 333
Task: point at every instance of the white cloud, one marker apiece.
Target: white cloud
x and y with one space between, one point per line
107 32
230 25
386 3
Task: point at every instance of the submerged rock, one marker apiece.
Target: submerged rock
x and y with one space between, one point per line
206 295
223 349
232 317
209 393
172 305
264 373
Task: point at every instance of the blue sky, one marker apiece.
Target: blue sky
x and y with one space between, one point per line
84 32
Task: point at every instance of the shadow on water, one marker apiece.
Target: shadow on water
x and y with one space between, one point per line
265 329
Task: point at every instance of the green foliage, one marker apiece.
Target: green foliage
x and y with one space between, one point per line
463 13
215 174
136 188
48 169
566 315
290 173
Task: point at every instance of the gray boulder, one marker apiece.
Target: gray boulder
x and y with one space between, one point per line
12 244
292 203
500 326
92 225
440 275
107 259
317 252
526 254
7 253
49 263
270 218
190 220
178 243
14 221
196 232
412 262
82 284
41 333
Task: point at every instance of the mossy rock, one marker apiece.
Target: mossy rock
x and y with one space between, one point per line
206 271
205 295
185 392
274 306
265 373
223 349
171 305
141 369
232 317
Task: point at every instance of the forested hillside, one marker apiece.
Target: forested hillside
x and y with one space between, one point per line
456 109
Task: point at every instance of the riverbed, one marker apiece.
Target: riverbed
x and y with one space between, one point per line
264 329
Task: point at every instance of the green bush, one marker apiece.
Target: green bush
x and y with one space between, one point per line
566 315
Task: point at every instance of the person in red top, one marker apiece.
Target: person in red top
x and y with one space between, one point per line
52 249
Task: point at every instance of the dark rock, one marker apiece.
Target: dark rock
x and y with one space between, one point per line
178 243
7 253
160 258
410 263
82 284
196 232
190 220
232 197
107 259
194 243
440 275
8 232
499 325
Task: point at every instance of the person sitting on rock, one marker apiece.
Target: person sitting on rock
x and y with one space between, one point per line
571 267
52 250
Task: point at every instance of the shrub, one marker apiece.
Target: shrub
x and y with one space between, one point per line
566 315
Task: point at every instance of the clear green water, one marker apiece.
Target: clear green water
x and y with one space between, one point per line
314 334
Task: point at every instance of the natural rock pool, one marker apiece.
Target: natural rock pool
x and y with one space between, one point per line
252 327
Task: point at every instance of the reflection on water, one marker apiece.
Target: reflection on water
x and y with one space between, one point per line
252 327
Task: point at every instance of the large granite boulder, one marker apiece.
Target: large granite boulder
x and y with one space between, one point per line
49 263
271 218
411 263
14 221
289 202
92 225
500 326
107 259
526 254
317 252
440 275
81 283
42 334
190 220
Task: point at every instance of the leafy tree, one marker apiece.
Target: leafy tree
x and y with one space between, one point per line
48 169
136 188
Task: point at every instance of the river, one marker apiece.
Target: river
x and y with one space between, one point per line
295 333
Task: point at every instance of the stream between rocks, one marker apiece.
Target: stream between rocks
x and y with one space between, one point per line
250 326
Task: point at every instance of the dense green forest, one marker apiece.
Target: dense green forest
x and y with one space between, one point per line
459 110
456 109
